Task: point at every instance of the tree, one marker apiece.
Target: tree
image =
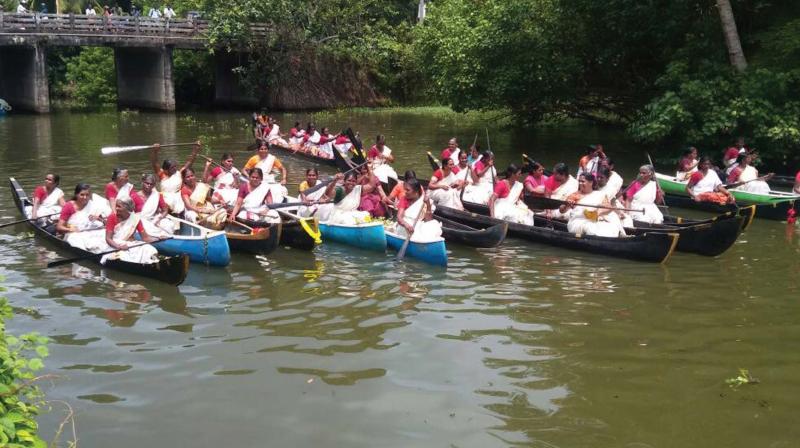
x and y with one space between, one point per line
732 41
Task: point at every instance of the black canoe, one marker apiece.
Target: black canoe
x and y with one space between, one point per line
292 233
171 270
708 237
456 232
263 241
778 212
652 247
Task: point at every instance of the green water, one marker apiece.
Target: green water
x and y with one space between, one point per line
523 345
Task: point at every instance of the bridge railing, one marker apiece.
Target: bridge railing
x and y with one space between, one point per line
113 25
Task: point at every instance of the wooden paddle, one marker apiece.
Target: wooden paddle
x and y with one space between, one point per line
542 203
402 252
304 224
106 150
26 220
64 261
739 184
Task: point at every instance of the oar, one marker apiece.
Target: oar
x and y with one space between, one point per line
63 261
241 224
402 252
293 204
304 224
26 220
325 183
434 162
106 150
538 202
489 147
739 184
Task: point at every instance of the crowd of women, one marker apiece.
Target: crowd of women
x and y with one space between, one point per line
593 202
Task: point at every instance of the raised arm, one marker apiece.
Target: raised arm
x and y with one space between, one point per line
195 149
154 159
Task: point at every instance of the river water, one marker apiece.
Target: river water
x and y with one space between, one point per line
523 345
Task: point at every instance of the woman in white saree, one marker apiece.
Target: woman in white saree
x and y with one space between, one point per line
253 198
47 199
81 220
587 220
152 209
444 187
642 195
171 177
120 229
422 230
346 198
505 203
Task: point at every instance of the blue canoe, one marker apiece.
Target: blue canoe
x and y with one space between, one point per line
369 236
202 245
434 253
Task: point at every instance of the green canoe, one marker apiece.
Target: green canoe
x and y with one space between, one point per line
671 185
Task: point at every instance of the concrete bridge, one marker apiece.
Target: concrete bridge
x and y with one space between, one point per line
142 55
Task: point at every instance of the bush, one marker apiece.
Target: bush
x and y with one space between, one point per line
19 397
91 78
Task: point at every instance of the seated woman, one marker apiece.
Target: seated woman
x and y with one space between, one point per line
120 229
296 136
534 181
346 199
253 198
745 174
171 177
505 202
587 220
687 164
82 219
399 191
380 156
274 136
225 179
559 186
118 187
483 180
48 199
342 143
152 209
373 197
198 207
415 215
705 186
444 187
312 180
643 194
311 140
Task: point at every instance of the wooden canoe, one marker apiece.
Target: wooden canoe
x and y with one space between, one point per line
776 211
263 241
169 269
456 232
292 232
651 247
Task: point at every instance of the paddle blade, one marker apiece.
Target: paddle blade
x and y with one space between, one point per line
106 150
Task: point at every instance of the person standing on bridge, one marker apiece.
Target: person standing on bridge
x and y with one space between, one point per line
90 11
21 8
169 13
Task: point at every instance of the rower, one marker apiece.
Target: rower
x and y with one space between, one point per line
225 178
121 227
643 194
82 220
326 144
452 151
614 181
584 219
732 153
705 186
746 174
267 163
535 180
195 199
412 219
560 185
311 140
48 199
312 180
602 184
346 200
373 199
505 203
398 192
445 186
296 135
484 176
118 187
171 177
343 143
252 200
274 136
474 153
688 164
380 156
152 209
591 161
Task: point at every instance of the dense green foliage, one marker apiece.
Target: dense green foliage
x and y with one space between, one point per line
91 77
18 393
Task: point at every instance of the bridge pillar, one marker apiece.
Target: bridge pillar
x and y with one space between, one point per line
228 89
23 78
144 77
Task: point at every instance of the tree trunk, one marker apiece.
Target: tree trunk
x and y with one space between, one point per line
731 35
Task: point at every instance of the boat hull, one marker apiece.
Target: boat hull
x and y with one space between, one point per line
292 233
201 245
368 236
459 233
263 241
651 247
777 211
673 187
434 253
169 269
